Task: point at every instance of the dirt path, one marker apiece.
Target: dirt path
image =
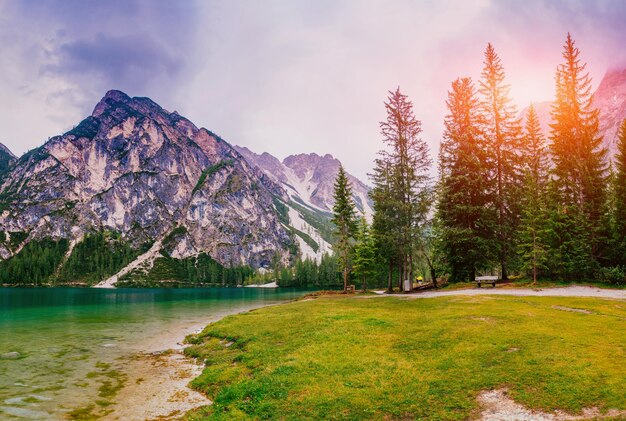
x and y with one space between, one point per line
573 291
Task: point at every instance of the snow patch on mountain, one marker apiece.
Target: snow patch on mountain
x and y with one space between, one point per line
308 183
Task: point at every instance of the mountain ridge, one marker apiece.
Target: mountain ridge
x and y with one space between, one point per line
134 168
319 171
308 181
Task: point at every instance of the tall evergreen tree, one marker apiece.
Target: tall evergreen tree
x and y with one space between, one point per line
463 206
344 219
430 249
364 253
534 148
533 229
502 132
579 159
620 196
403 172
384 224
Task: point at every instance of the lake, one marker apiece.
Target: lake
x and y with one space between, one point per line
54 341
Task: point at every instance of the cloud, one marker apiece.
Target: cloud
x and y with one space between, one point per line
61 56
128 61
284 76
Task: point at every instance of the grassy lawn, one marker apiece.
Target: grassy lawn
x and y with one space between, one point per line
389 358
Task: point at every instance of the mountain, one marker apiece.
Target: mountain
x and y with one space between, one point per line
6 159
609 99
308 180
144 183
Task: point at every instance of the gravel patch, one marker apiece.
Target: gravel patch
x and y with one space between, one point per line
573 310
573 291
498 406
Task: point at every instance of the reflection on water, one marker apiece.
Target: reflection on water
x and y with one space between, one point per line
54 341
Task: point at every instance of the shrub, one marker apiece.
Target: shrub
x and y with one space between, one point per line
615 275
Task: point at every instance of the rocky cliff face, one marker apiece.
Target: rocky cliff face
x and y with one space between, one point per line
610 99
6 159
308 181
138 170
309 178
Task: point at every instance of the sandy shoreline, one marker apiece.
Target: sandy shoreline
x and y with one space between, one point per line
157 388
156 381
158 373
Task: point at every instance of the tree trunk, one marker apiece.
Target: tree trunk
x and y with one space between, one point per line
472 275
431 267
433 276
390 277
411 267
534 258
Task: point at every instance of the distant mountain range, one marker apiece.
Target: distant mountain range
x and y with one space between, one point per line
308 181
167 188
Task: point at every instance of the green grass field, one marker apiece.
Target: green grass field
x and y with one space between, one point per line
390 358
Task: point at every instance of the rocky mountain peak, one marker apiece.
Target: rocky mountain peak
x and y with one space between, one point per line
6 151
112 99
137 170
6 159
309 178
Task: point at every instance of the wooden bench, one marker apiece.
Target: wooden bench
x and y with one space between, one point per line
422 284
350 288
486 280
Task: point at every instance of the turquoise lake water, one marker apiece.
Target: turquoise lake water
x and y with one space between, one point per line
50 339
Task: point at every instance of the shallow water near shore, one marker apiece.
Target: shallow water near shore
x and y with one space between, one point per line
68 348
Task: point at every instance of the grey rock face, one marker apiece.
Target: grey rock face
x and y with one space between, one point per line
309 178
610 99
135 168
6 159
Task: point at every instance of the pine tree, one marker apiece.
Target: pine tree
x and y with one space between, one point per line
401 178
385 224
364 253
344 219
430 248
620 196
579 162
533 229
534 147
463 206
502 132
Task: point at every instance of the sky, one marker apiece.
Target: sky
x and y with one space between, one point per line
288 76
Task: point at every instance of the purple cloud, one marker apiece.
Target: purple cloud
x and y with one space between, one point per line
284 76
128 62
